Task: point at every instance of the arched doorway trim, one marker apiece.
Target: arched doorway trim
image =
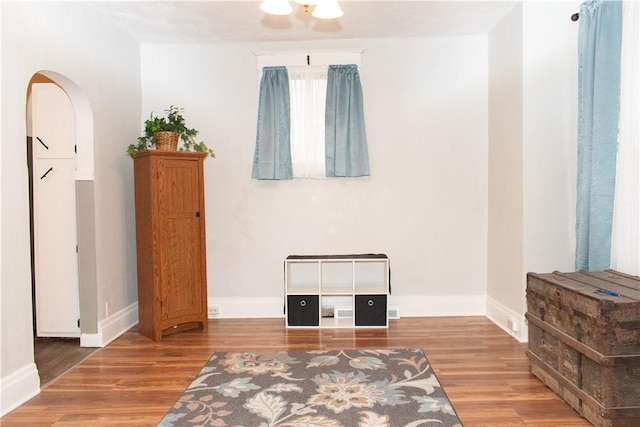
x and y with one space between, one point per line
84 177
84 124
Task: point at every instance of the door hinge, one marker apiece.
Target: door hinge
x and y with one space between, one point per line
75 149
78 323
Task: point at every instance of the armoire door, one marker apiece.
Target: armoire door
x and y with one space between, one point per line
180 248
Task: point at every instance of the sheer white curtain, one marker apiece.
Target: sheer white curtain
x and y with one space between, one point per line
307 91
625 247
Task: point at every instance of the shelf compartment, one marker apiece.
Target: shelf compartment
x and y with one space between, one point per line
336 276
303 310
302 277
329 303
371 276
371 310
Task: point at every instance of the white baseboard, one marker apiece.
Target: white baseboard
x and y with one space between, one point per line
236 308
24 384
447 305
410 306
112 327
18 387
510 321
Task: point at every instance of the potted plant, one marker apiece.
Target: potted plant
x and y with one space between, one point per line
163 133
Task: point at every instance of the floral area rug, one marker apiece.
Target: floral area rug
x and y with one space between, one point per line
354 388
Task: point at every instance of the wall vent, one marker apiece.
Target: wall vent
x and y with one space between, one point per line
346 312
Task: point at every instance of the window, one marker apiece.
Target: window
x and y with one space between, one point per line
300 105
307 92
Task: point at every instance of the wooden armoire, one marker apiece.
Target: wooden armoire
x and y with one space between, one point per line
170 238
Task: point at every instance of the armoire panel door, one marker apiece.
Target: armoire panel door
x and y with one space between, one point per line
180 251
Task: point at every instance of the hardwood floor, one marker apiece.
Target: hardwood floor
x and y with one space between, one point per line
54 356
133 381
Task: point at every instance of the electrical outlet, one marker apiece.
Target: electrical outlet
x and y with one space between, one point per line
214 310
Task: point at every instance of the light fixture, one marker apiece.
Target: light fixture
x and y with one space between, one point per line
328 9
307 3
276 7
324 9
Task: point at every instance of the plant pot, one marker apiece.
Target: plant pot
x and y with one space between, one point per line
167 141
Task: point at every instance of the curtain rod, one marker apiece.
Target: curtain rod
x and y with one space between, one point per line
575 17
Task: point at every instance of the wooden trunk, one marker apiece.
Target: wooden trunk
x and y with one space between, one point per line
584 342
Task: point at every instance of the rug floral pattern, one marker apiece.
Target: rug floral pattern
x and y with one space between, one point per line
353 388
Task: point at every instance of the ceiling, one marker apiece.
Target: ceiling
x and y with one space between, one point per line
241 20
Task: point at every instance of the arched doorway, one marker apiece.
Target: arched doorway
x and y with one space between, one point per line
52 147
80 194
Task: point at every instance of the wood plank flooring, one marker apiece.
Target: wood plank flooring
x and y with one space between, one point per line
54 356
133 381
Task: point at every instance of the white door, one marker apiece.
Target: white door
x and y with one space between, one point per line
54 211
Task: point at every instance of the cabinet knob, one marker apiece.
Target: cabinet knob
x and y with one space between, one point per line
370 303
303 303
198 214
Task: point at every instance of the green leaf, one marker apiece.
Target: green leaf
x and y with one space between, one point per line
173 121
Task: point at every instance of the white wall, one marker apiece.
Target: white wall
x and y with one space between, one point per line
532 161
70 39
424 204
550 99
505 252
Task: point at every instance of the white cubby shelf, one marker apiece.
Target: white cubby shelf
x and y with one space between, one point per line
316 284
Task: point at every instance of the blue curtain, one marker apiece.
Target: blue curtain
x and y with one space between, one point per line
599 38
272 157
346 151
